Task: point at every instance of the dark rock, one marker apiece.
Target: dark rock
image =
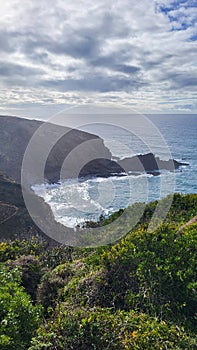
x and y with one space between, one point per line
101 168
56 142
148 163
142 163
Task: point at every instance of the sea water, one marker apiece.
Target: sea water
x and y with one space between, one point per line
75 201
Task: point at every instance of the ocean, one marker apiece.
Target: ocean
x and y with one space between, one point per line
73 202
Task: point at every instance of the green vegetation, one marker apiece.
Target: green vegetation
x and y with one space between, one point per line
139 293
19 318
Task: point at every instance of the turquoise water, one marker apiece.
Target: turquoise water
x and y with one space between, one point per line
74 202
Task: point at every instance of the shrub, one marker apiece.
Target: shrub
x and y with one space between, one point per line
18 317
101 329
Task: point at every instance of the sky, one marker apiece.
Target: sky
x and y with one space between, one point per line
56 54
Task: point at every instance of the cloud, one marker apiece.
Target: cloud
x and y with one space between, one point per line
12 70
95 82
141 53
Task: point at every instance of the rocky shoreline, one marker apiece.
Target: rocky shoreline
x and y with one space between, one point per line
85 154
142 163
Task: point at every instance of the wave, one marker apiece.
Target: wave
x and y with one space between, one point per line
74 202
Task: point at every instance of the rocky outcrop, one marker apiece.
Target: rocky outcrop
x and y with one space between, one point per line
65 153
142 163
148 163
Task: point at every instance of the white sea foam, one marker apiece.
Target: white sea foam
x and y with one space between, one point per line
73 202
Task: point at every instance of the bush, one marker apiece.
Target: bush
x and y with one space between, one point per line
18 317
12 250
101 329
31 273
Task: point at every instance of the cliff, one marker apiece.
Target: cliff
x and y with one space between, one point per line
58 141
64 153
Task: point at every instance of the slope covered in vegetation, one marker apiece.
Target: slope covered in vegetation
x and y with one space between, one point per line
139 293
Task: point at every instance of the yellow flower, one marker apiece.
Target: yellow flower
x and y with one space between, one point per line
134 334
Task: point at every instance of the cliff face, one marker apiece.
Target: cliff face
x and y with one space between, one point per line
58 142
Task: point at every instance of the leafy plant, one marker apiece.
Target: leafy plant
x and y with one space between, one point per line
18 317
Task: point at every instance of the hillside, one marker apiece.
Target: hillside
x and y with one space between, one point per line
57 141
139 293
15 221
